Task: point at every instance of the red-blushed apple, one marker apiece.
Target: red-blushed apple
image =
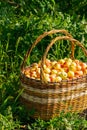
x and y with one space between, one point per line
52 77
79 73
48 63
27 71
68 62
83 66
76 61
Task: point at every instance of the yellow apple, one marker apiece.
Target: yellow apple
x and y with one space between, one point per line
70 74
63 75
57 66
72 68
62 61
47 77
53 63
58 79
47 70
78 67
85 71
53 71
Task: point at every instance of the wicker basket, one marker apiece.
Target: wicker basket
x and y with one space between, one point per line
49 99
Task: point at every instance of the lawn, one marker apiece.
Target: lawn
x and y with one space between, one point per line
20 25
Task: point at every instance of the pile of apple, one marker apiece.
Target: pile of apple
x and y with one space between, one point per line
55 71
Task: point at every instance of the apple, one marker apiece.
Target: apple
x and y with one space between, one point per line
71 74
58 79
63 75
52 77
83 66
54 71
53 63
33 74
78 67
72 67
47 77
79 73
38 70
48 63
27 71
85 71
76 61
73 63
57 66
62 61
47 70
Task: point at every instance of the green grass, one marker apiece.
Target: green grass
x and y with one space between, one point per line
17 33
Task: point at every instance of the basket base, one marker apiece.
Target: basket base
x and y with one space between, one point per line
49 111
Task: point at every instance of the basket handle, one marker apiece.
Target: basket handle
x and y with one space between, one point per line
40 38
73 41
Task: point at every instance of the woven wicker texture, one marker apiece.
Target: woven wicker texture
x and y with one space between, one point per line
49 99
